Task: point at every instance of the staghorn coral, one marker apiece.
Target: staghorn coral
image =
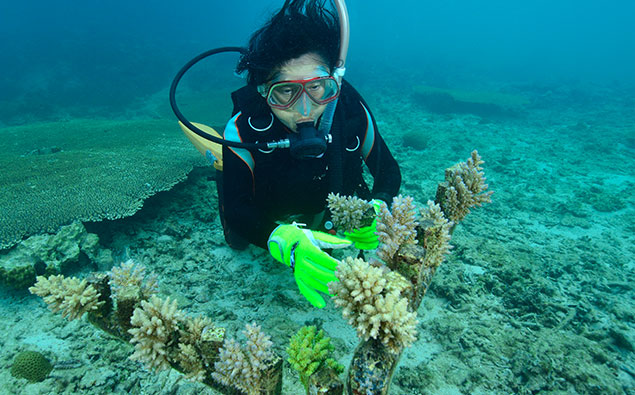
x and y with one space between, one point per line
154 325
372 302
397 228
130 285
190 361
70 296
350 212
310 350
131 275
199 339
464 188
163 335
436 236
196 328
243 367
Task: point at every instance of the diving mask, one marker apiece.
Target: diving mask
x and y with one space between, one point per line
284 94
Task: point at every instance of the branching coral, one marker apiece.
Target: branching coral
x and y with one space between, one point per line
163 335
70 296
350 212
436 235
130 285
196 328
130 275
244 367
396 228
373 304
198 340
308 351
464 188
154 325
190 361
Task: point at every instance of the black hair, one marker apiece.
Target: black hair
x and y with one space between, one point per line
300 27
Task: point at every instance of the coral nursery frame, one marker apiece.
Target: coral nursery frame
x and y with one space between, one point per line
379 298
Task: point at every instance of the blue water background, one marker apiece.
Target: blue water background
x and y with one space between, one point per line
537 294
101 58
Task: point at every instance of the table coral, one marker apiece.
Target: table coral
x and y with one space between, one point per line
102 170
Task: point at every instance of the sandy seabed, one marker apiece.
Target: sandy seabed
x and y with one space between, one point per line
537 296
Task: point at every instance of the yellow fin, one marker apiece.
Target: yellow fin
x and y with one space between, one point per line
204 145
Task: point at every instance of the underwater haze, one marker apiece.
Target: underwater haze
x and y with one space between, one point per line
110 55
538 293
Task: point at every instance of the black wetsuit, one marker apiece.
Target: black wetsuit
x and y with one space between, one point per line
257 188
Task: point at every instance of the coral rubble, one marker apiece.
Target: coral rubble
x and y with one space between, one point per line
46 254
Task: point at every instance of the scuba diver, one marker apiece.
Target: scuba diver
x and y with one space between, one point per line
295 95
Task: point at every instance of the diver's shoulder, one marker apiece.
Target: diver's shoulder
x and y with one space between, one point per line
352 101
348 92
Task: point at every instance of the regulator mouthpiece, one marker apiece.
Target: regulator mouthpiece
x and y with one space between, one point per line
308 142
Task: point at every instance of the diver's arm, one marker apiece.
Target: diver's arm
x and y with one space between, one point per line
380 162
242 214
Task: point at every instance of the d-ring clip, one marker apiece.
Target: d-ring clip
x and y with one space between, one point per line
259 129
356 147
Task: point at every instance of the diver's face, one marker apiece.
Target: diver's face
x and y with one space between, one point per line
304 109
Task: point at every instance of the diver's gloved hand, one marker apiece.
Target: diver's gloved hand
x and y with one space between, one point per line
365 238
301 250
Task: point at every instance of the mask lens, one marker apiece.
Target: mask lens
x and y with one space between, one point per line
321 90
285 93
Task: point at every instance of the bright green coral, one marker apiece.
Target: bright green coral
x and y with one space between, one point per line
31 365
310 350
